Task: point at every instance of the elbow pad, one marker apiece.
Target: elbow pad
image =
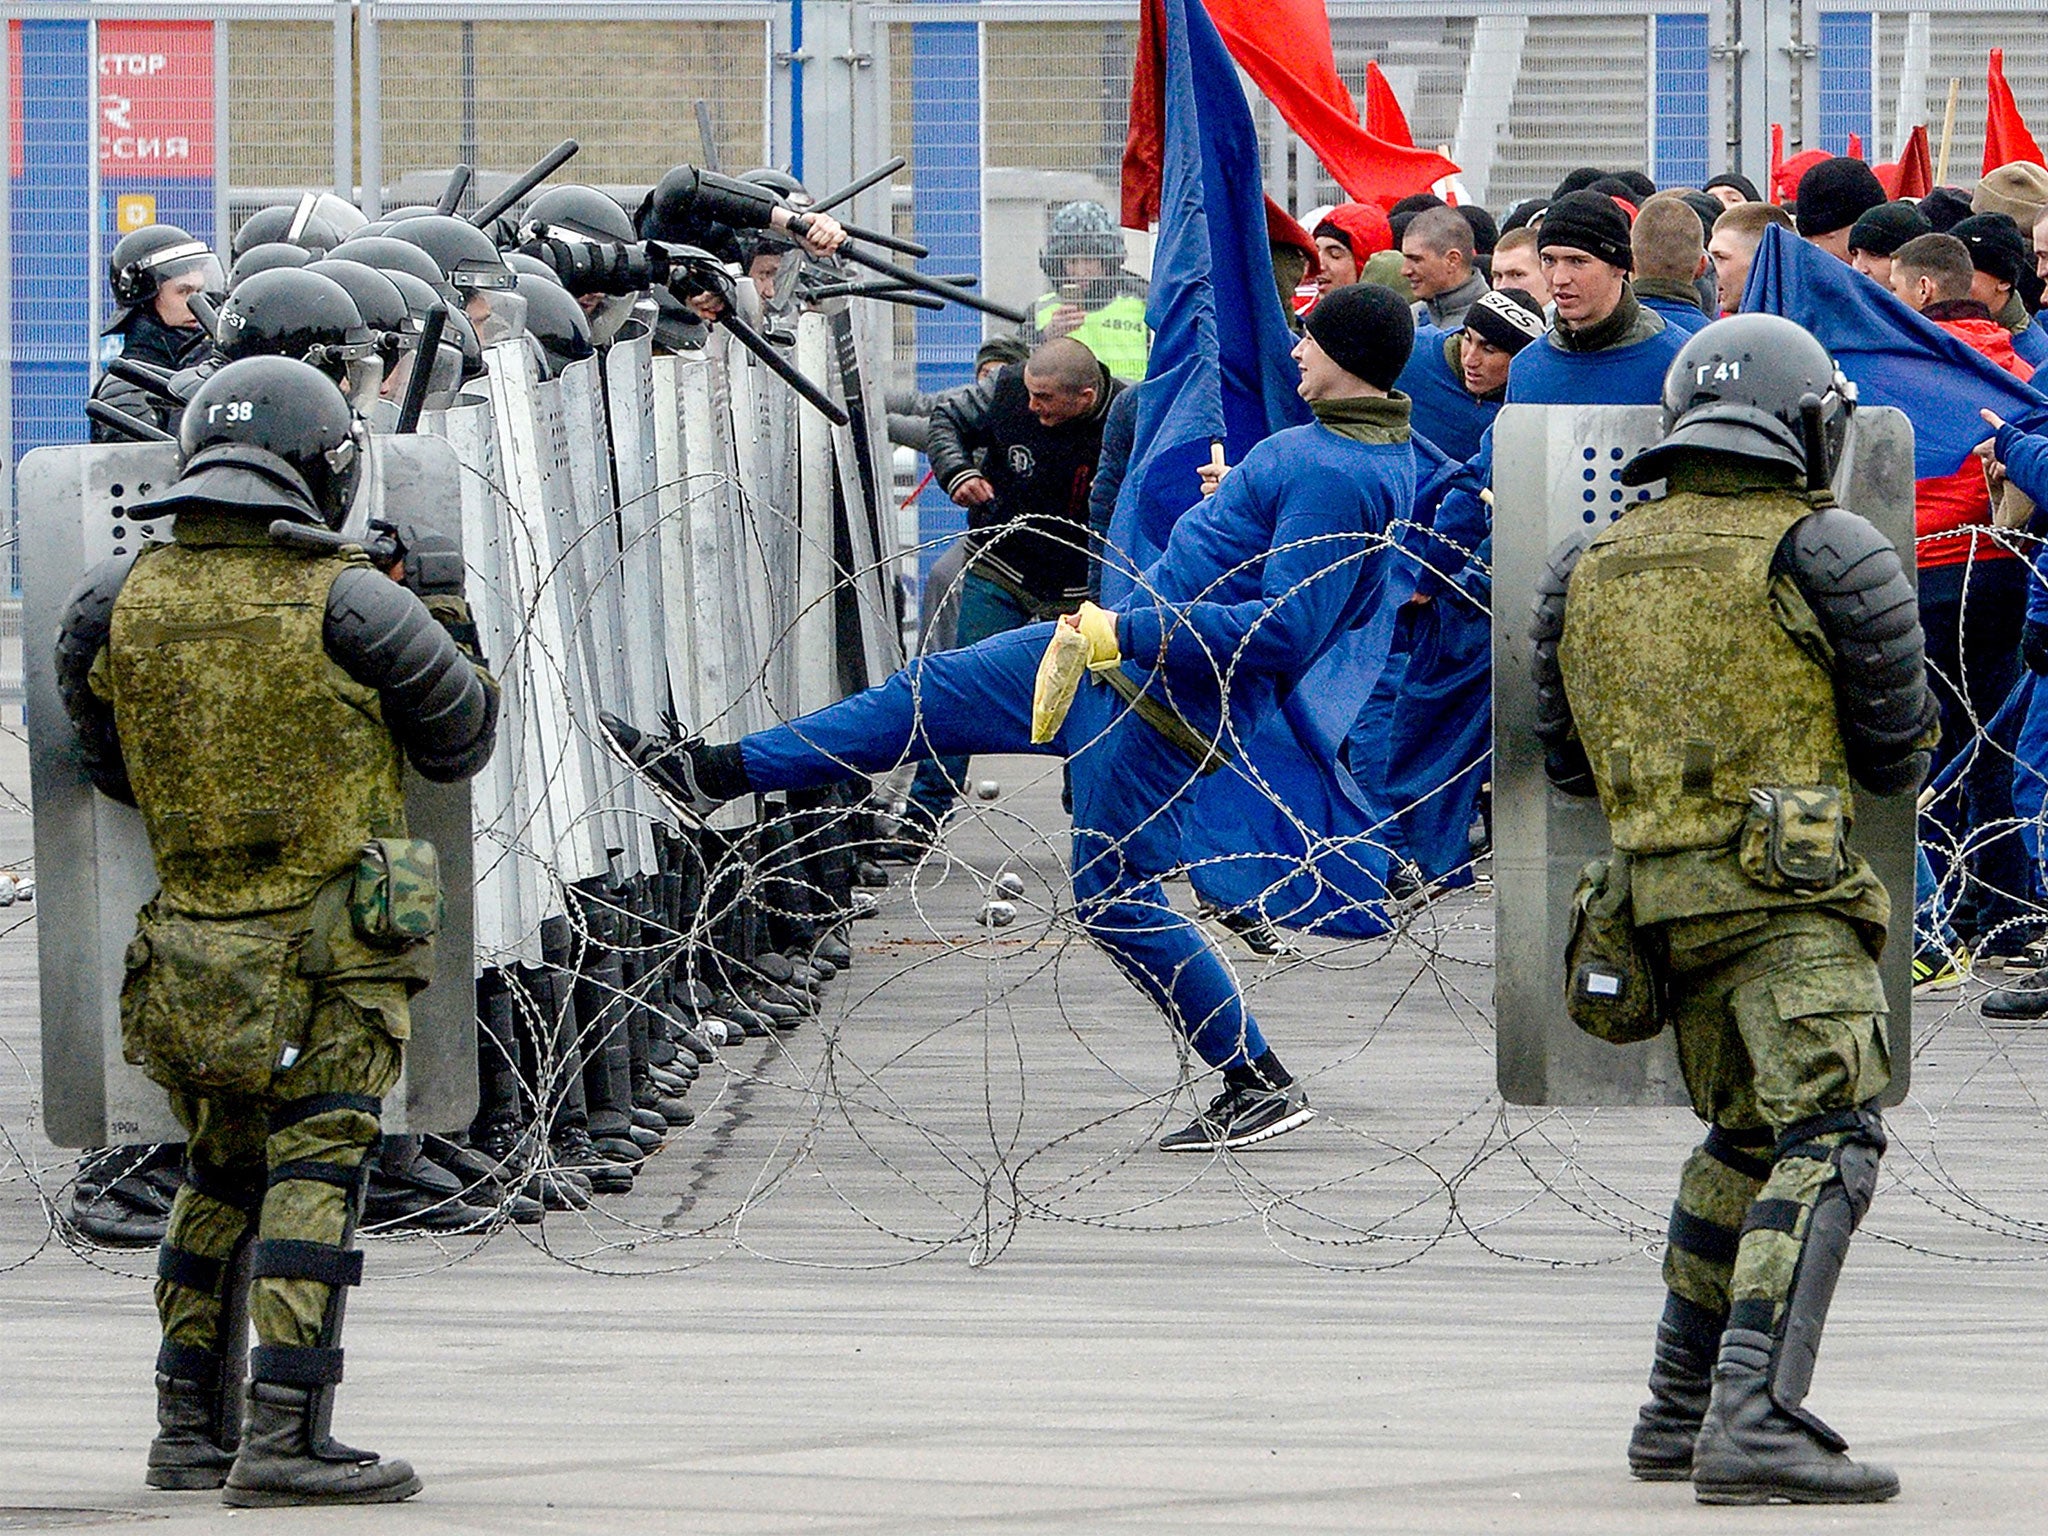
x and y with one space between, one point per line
82 633
442 709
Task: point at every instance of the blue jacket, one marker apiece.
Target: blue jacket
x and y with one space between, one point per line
1259 580
1445 412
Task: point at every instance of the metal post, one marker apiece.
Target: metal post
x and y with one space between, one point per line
830 94
1912 107
372 111
1751 41
344 100
223 150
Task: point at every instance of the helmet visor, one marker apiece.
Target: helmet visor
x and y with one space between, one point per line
497 314
445 380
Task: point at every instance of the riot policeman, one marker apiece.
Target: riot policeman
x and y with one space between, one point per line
155 274
256 702
1093 299
1717 666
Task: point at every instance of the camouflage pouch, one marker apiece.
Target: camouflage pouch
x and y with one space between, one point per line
1795 839
1610 985
395 898
212 1005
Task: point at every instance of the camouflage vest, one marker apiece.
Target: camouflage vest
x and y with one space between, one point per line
1693 674
259 766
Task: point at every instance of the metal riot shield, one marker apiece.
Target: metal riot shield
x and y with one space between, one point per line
711 650
510 878
636 474
559 762
93 864
586 534
752 537
1557 475
812 639
869 603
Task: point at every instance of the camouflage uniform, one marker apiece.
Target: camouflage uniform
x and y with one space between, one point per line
249 995
1692 683
258 704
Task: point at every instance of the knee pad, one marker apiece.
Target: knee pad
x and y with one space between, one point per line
1853 1141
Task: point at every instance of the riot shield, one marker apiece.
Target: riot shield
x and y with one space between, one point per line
510 879
870 601
636 475
1557 473
93 864
812 638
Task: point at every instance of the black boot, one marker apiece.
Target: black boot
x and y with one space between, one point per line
280 1465
1759 1444
1681 1381
192 1448
1752 1450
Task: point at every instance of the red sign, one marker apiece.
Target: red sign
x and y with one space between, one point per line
156 99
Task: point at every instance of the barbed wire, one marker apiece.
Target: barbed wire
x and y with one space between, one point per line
834 1117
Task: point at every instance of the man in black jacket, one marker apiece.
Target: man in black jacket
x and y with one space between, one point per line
1020 457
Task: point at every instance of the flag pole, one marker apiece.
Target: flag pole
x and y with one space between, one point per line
1948 128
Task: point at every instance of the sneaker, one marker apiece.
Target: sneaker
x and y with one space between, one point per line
1937 967
1241 1116
1257 934
666 765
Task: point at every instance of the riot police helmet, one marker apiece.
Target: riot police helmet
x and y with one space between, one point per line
293 223
449 362
388 255
574 213
781 183
267 257
271 436
147 259
298 313
1738 387
464 253
556 322
1080 229
378 300
531 266
470 262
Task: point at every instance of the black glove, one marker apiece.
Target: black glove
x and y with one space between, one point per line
2034 646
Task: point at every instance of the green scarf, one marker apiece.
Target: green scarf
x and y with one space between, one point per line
1376 419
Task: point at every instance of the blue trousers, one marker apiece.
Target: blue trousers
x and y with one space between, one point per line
985 609
1131 791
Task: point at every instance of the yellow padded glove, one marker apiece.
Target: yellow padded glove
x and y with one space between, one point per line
1080 642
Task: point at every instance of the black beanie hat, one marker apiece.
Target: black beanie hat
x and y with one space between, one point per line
1592 222
1485 233
1641 188
1506 318
1708 207
1835 194
1577 181
1996 245
1520 215
1367 330
1887 227
1944 208
1736 180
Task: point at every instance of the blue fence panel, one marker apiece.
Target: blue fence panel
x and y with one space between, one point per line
1681 110
1846 66
51 232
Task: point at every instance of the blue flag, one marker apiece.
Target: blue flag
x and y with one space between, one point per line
1219 363
1893 355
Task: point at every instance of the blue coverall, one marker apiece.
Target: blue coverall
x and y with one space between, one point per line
1255 583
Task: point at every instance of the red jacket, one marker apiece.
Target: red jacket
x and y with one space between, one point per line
1950 513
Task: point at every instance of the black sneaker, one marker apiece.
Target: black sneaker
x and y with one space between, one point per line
665 763
1241 1116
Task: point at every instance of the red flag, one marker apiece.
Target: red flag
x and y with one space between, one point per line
1384 118
1284 45
2005 132
1855 149
1777 161
1785 183
1912 174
